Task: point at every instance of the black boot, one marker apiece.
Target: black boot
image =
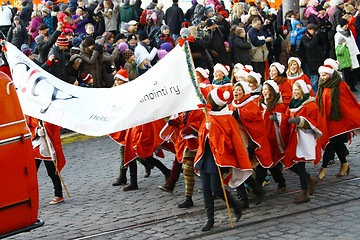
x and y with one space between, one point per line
257 189
148 166
242 196
121 179
235 205
160 166
209 209
187 203
133 177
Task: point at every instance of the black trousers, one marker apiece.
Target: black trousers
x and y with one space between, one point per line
336 145
51 170
299 169
275 171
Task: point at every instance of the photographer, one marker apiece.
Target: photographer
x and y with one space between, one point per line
58 67
45 43
216 42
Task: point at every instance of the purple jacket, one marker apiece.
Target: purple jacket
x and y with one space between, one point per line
33 26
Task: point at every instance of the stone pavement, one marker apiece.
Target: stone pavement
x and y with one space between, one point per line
96 206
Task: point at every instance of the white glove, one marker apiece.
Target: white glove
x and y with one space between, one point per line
208 125
40 132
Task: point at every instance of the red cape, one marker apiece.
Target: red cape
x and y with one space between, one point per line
349 108
306 80
226 145
251 119
143 140
310 138
53 133
286 91
277 133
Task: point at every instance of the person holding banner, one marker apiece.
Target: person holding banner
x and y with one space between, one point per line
47 146
220 145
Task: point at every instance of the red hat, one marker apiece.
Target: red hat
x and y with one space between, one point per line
122 74
220 96
86 77
62 40
326 69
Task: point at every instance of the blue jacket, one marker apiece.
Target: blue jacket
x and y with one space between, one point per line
297 34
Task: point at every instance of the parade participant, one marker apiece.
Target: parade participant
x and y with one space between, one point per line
252 128
141 142
236 68
339 117
276 72
241 74
254 81
120 78
221 79
47 146
277 131
294 73
185 128
202 77
220 145
304 144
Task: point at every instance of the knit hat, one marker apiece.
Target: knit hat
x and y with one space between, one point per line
319 8
220 96
86 77
122 74
243 72
27 51
273 84
166 46
49 3
326 5
76 42
304 87
256 75
131 37
343 22
17 18
43 27
119 36
143 36
40 38
208 9
245 86
326 69
45 10
185 32
223 68
311 26
63 7
128 53
88 42
333 63
279 67
163 27
123 46
336 2
204 72
24 46
161 53
62 40
239 66
294 59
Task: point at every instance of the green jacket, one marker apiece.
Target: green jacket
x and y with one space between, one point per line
127 13
343 56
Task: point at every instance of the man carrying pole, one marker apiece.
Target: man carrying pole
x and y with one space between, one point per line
47 146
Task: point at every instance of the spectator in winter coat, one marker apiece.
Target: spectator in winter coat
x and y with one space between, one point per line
130 65
165 36
174 17
17 34
92 58
25 13
259 51
58 68
127 13
81 19
110 12
216 43
44 43
241 47
311 8
36 21
313 58
6 16
48 19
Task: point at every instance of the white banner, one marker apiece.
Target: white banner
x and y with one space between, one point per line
163 90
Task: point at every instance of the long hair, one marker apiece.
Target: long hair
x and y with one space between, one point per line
272 102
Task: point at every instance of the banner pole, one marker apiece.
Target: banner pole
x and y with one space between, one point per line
191 69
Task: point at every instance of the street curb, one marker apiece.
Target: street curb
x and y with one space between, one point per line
68 138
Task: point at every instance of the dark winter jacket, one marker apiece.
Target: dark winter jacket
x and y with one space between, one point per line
91 63
17 35
259 51
313 49
216 42
58 68
174 17
25 15
127 13
240 50
43 48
